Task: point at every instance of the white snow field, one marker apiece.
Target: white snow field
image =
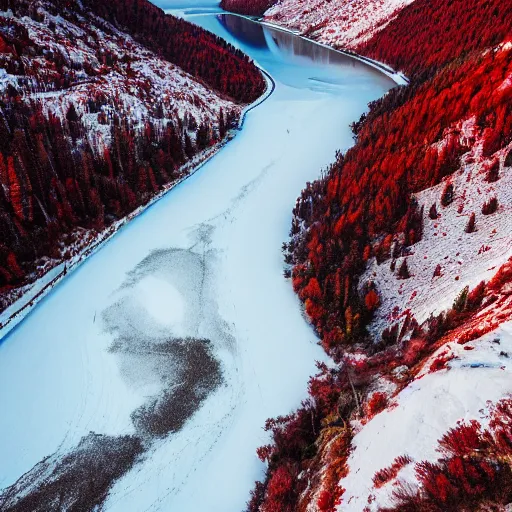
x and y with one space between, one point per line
204 262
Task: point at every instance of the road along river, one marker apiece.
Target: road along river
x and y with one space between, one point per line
178 339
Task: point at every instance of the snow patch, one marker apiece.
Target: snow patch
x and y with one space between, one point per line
339 23
423 412
163 302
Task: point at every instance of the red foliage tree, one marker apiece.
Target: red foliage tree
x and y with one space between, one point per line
372 300
471 224
490 207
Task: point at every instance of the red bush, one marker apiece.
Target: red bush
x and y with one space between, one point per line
325 391
476 468
440 362
372 300
385 475
489 207
376 404
328 501
447 196
279 495
413 351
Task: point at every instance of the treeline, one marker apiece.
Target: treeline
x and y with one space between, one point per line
53 180
363 207
428 34
249 7
192 48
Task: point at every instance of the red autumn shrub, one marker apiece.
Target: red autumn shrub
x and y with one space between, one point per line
471 224
385 475
264 452
312 289
376 404
327 501
336 452
463 439
447 195
279 494
325 391
292 434
493 174
257 497
413 351
403 271
475 469
490 207
440 362
314 310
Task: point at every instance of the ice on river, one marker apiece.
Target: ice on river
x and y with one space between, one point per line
189 298
163 303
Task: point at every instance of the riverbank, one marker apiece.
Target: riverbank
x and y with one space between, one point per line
398 77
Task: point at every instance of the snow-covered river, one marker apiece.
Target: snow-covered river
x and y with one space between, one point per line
187 304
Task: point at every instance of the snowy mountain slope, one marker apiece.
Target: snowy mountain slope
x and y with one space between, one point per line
422 413
463 243
447 258
96 117
137 85
468 373
340 23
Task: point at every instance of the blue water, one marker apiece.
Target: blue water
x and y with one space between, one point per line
290 59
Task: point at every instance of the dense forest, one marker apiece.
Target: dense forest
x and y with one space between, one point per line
250 7
91 130
454 30
365 200
363 207
195 50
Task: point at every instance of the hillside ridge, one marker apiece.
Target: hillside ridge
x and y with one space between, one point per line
101 106
401 256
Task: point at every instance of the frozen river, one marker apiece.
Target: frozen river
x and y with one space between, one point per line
182 331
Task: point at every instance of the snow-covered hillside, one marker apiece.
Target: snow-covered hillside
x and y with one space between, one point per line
464 243
477 376
106 74
340 23
450 256
102 106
